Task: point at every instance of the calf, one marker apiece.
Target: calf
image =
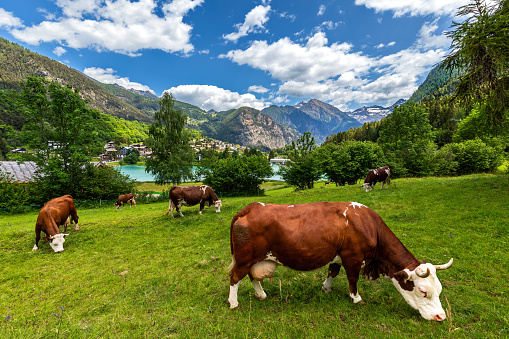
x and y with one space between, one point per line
380 174
193 195
56 212
126 198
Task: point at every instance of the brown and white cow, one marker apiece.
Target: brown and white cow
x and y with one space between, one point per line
305 237
380 174
125 198
56 212
193 195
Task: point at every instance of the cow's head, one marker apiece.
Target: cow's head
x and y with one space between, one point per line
217 205
57 242
367 186
421 289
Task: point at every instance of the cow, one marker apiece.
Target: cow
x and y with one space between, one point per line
56 212
306 237
380 174
125 198
326 183
193 195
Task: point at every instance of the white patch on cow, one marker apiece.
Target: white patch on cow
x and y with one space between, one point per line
77 228
344 213
327 285
203 188
375 171
291 206
356 204
261 203
259 292
271 257
425 295
232 298
217 205
356 298
35 248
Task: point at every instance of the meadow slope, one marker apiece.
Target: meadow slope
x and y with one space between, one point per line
134 272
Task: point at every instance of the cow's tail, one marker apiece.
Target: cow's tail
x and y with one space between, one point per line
171 204
230 267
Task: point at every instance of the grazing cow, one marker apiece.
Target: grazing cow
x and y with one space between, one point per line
305 237
125 198
193 195
56 212
326 183
380 174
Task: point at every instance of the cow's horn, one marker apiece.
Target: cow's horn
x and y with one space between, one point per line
418 271
444 266
66 234
51 237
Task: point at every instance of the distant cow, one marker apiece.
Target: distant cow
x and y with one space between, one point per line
56 212
326 183
193 195
126 198
305 237
380 174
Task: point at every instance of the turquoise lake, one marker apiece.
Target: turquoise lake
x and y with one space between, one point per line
138 172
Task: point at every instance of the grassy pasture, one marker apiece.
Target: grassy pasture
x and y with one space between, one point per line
135 273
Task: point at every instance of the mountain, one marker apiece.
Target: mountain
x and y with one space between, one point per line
315 116
438 83
18 63
373 113
248 126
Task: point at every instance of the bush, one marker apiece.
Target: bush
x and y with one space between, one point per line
230 175
475 156
302 172
14 194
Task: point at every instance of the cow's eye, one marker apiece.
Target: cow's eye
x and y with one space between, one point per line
423 292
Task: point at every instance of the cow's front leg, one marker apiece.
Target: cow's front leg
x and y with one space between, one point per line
178 208
202 206
333 272
37 238
352 273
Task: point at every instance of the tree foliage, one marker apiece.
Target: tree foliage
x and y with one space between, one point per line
236 174
480 48
172 156
58 126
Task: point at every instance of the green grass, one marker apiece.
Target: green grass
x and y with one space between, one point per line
135 273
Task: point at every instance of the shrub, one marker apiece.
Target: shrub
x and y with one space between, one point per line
14 194
475 156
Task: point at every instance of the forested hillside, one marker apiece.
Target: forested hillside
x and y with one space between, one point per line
438 83
18 63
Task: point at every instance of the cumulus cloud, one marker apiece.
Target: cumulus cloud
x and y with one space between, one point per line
321 10
108 76
254 22
414 7
8 20
59 51
336 73
211 97
428 40
120 26
258 89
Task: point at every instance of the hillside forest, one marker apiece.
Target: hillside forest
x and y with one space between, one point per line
455 123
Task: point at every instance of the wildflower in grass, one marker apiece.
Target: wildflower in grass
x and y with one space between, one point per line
7 318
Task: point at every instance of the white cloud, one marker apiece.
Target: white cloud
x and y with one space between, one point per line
321 10
211 97
8 20
392 43
414 7
257 89
428 40
254 21
336 73
59 51
121 26
108 76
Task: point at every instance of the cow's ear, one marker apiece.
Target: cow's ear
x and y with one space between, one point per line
46 238
401 276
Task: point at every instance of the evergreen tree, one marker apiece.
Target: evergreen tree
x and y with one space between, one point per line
172 156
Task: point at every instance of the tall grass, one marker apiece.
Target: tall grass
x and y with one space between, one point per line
134 273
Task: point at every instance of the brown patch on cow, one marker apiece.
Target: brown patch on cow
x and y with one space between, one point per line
402 278
241 234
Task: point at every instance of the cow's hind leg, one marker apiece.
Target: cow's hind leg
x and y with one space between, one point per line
333 272
236 275
37 238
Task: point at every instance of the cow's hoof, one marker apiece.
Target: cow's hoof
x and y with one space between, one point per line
233 305
361 302
327 290
260 296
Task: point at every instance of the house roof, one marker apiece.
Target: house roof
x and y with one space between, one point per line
22 172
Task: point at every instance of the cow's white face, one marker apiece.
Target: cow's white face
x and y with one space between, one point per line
424 297
57 242
367 187
217 205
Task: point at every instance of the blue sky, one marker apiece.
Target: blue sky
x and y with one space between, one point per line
223 54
